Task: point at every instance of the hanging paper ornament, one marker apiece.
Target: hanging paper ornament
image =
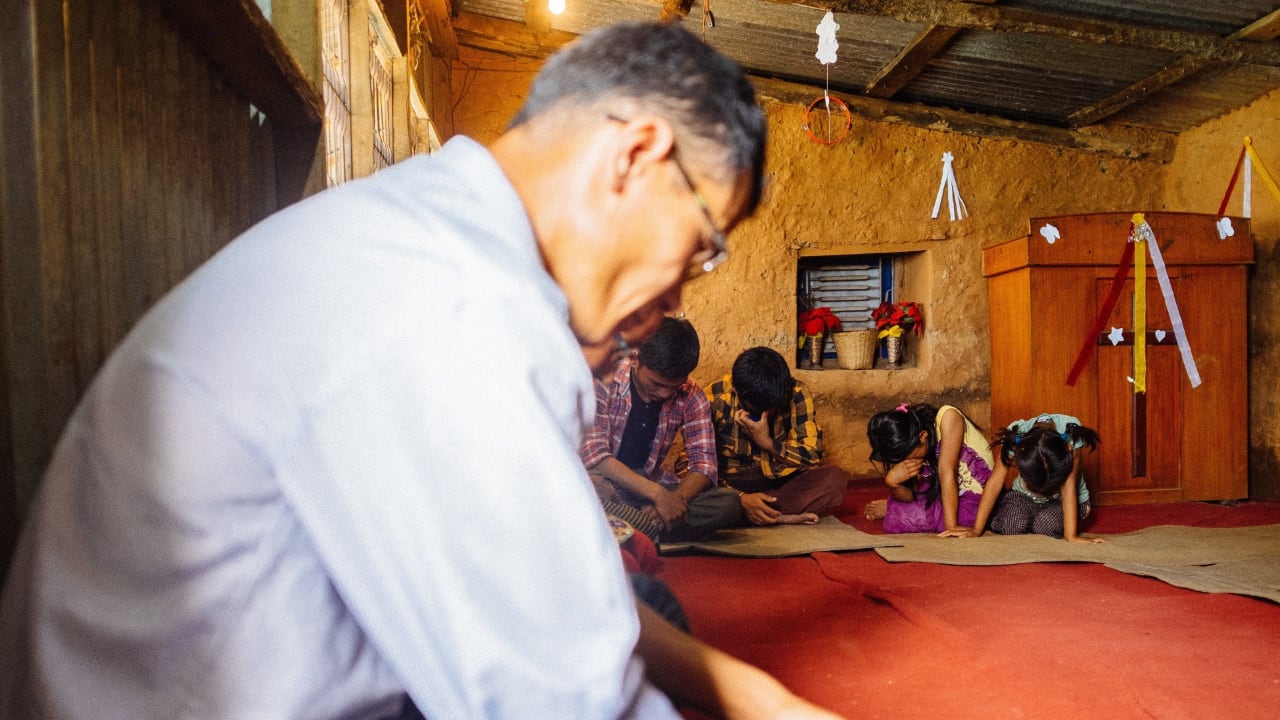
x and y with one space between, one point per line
1050 233
955 204
827 120
827 43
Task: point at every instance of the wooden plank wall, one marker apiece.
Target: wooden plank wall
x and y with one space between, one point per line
125 161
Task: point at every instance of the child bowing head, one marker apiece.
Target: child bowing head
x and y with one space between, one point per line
935 463
1049 496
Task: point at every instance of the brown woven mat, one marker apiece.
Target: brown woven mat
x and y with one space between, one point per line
1244 561
784 540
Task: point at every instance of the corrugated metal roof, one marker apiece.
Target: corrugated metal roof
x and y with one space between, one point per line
1154 65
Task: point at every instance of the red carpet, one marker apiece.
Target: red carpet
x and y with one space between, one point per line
871 639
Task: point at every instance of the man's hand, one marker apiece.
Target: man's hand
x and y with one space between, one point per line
758 510
671 507
757 430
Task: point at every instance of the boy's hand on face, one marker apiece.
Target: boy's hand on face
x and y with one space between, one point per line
757 430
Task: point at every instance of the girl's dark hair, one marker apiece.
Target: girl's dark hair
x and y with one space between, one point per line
1043 455
893 434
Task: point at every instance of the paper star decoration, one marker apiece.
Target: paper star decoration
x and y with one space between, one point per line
1116 336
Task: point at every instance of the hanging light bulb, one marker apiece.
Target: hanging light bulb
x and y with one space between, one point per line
555 6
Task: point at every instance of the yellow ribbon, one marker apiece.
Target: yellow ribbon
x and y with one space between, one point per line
1139 310
1262 169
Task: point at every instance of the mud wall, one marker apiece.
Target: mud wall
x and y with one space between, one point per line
871 193
1196 181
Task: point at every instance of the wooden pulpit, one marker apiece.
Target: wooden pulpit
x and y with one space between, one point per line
1046 290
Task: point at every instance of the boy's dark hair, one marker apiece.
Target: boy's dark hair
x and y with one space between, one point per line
1043 455
672 73
762 379
672 350
893 434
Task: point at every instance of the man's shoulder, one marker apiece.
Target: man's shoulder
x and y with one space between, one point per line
800 394
691 400
721 387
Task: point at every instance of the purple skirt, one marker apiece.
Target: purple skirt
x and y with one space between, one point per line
915 516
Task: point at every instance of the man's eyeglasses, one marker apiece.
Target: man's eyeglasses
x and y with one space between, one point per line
715 249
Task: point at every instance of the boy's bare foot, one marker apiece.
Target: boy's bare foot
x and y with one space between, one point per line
800 519
875 509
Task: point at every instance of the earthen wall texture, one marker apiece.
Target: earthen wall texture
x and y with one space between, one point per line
871 193
1196 181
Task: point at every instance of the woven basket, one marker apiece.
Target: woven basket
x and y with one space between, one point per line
856 349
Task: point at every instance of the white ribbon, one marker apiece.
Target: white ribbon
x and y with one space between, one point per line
1144 233
955 204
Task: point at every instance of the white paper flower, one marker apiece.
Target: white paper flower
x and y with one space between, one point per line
827 43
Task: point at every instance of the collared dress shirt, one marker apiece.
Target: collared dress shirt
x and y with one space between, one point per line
301 489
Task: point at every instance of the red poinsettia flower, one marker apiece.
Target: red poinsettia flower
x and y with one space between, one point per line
817 321
893 319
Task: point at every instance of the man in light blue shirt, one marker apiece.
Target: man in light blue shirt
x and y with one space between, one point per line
279 498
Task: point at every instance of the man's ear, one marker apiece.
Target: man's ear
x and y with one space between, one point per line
644 141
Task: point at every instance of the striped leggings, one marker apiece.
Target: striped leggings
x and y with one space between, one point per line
1017 514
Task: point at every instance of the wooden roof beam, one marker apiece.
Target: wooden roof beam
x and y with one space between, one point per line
911 61
243 46
1133 145
998 18
507 37
1263 29
437 15
1176 71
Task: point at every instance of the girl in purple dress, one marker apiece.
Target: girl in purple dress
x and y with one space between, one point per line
936 463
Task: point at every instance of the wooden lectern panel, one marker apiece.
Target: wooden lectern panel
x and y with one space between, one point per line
1174 442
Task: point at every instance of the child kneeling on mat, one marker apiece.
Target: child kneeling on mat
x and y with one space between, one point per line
1049 495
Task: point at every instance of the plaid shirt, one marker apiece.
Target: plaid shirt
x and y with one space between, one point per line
686 413
797 434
